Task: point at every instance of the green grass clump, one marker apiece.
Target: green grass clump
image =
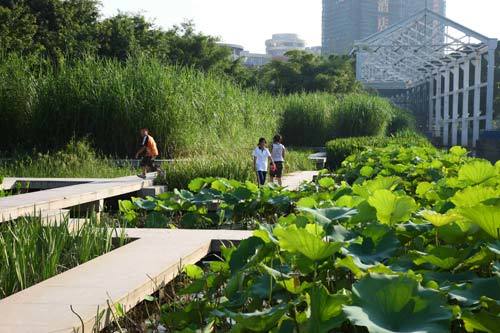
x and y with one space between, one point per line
76 160
339 149
33 252
307 118
361 115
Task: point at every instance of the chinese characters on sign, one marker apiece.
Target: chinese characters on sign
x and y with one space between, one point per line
383 20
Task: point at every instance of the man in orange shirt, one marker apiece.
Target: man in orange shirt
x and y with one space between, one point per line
149 152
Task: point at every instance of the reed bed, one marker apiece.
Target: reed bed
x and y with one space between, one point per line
187 111
32 251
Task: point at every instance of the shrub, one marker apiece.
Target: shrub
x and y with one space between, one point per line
339 149
361 115
402 120
306 119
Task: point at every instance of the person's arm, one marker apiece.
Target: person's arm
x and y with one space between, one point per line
283 153
255 163
270 157
140 152
143 148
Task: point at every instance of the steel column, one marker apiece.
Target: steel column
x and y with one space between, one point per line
446 108
454 124
477 100
465 107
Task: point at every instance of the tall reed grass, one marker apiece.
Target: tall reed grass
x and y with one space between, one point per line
187 111
76 160
32 251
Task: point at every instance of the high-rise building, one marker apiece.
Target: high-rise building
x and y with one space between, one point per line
345 21
282 43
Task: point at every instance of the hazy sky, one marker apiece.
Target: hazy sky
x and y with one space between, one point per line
251 22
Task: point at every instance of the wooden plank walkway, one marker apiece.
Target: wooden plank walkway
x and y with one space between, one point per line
125 276
293 180
10 183
35 203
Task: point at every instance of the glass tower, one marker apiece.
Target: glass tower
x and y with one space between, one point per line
345 21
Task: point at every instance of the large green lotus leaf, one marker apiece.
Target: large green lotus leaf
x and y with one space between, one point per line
391 208
369 187
481 321
473 196
396 304
325 310
326 182
302 241
437 219
471 293
456 232
486 217
198 183
458 151
244 252
374 250
477 172
259 321
328 215
444 257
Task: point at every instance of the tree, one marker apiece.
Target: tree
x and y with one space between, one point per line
306 72
53 28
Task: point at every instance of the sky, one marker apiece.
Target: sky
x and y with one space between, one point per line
250 22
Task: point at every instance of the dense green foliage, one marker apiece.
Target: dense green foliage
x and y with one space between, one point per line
339 149
108 101
361 115
186 110
305 72
409 244
75 160
313 119
58 31
307 119
32 251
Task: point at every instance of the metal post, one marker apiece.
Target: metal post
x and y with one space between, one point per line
437 120
431 103
492 46
465 107
446 111
477 100
454 121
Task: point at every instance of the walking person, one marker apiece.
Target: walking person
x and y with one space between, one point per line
278 152
148 151
261 159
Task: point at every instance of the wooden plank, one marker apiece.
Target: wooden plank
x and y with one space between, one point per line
293 180
34 203
125 275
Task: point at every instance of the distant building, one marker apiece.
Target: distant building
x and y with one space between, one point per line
255 59
282 43
314 50
345 21
235 48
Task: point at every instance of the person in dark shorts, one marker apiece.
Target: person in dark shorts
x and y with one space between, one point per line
278 152
148 151
261 157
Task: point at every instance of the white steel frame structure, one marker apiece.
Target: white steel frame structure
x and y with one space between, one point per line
446 69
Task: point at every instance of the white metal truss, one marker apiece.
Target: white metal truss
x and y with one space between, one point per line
429 52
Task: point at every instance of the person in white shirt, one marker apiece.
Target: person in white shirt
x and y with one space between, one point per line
278 152
261 157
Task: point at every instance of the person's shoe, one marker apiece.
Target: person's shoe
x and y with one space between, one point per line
142 176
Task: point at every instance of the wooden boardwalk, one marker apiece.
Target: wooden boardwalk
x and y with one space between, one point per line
293 180
125 276
37 203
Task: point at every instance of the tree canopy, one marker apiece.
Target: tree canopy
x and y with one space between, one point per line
63 30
